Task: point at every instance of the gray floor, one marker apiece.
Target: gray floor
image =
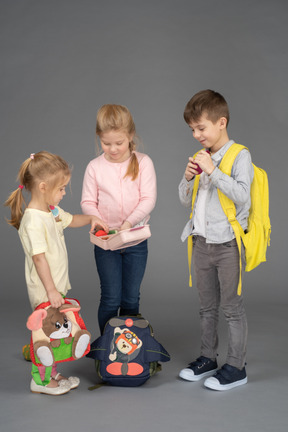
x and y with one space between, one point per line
164 403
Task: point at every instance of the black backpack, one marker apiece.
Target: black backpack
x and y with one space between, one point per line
127 354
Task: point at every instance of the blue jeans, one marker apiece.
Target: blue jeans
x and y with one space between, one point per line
121 273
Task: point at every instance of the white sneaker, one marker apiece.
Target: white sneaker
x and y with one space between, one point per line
226 378
199 369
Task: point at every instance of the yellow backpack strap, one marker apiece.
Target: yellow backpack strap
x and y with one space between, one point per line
228 205
190 238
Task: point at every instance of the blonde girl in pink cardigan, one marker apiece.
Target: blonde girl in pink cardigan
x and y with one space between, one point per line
119 187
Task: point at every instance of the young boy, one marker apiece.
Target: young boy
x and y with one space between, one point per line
215 251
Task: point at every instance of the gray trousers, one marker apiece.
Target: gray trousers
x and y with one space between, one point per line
216 270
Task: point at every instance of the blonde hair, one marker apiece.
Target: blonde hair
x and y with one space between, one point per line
118 117
42 166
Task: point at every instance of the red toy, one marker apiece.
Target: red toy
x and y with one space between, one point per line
100 233
198 169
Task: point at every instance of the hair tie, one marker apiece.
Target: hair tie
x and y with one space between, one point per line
32 155
21 187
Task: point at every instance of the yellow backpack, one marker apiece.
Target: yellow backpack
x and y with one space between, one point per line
257 236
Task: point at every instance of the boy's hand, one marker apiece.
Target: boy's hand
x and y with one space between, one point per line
203 159
191 169
55 298
95 221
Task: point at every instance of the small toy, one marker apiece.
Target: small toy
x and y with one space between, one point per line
54 210
100 233
198 169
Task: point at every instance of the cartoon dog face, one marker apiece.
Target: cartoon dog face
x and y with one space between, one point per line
53 321
56 325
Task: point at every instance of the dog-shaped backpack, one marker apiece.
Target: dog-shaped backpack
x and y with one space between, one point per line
127 354
58 334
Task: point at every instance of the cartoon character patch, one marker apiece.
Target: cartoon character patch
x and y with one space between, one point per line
125 347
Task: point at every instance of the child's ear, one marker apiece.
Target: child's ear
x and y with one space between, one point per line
223 122
42 187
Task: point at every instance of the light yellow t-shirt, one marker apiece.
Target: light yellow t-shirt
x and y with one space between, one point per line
41 233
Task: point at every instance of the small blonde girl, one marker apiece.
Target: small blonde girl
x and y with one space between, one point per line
40 225
119 187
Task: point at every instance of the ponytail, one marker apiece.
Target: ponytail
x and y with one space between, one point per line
16 201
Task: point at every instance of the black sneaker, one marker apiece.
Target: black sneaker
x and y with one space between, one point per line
198 369
227 378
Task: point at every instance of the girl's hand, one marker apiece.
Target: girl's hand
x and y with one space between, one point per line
125 225
203 159
95 221
55 298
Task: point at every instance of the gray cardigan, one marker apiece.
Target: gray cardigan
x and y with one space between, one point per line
236 187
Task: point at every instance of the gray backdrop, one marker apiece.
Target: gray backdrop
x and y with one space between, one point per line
60 61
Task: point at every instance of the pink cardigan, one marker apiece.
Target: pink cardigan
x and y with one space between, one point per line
115 199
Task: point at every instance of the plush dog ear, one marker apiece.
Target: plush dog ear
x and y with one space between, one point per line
69 308
35 320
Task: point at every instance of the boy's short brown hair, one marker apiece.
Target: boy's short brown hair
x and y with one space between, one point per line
206 101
